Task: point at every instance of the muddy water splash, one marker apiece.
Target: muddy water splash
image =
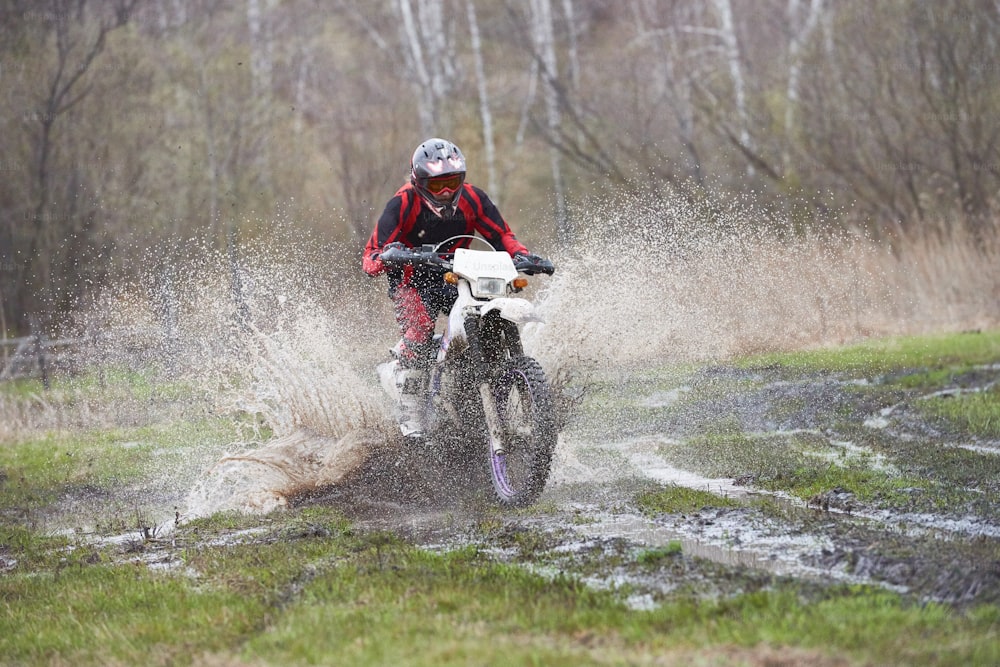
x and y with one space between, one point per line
674 281
311 385
648 283
325 415
276 342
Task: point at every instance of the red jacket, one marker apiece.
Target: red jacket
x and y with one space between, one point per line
408 220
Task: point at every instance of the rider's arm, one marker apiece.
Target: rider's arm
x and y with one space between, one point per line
387 229
493 227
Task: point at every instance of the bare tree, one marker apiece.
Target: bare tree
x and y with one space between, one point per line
205 116
901 116
429 49
665 79
78 43
484 100
544 40
733 58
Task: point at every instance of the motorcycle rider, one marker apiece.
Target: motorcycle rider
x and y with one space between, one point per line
435 205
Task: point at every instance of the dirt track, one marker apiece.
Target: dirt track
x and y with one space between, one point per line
742 435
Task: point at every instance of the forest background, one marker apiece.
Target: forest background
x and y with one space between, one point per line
130 127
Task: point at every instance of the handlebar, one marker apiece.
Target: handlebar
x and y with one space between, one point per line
396 254
532 264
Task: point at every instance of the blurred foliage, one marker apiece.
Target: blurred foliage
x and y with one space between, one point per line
129 126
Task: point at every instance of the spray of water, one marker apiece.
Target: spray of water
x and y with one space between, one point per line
275 338
663 282
649 282
325 415
673 281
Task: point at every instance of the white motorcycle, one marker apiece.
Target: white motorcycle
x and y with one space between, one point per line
482 395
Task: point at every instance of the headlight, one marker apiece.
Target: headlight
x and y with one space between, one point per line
487 287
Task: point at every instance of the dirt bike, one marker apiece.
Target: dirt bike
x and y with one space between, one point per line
483 396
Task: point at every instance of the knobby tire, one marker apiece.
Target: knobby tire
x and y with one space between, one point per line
525 406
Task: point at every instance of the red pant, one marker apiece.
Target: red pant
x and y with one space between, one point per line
416 314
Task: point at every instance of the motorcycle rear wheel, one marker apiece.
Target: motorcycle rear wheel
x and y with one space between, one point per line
524 406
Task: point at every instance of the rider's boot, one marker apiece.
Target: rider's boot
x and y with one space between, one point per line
411 383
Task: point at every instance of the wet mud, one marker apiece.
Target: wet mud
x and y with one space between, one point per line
896 499
921 541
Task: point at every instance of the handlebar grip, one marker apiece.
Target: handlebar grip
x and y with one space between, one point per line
533 264
395 256
399 255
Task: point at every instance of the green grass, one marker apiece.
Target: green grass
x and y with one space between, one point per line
783 463
33 550
656 555
101 608
41 466
724 450
305 586
110 384
977 414
415 608
674 499
38 470
888 355
316 592
869 486
114 614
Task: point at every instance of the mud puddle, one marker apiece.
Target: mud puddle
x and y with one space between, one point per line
937 539
933 536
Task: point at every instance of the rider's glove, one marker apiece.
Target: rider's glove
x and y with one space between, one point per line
389 254
526 257
372 265
537 264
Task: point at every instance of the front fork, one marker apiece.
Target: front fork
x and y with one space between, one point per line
488 346
493 426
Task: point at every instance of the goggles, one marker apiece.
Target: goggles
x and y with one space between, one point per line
448 184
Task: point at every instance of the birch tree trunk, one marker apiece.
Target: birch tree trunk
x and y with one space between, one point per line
212 162
260 57
417 66
799 36
731 49
544 37
302 75
261 27
430 58
261 71
484 101
572 54
508 165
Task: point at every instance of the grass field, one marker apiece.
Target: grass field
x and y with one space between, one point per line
96 568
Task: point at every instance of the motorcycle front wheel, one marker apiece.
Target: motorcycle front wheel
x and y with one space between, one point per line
519 467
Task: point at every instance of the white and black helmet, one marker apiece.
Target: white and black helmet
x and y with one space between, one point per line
437 171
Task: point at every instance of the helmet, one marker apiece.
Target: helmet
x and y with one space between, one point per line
437 171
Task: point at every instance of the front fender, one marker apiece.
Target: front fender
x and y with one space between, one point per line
518 311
